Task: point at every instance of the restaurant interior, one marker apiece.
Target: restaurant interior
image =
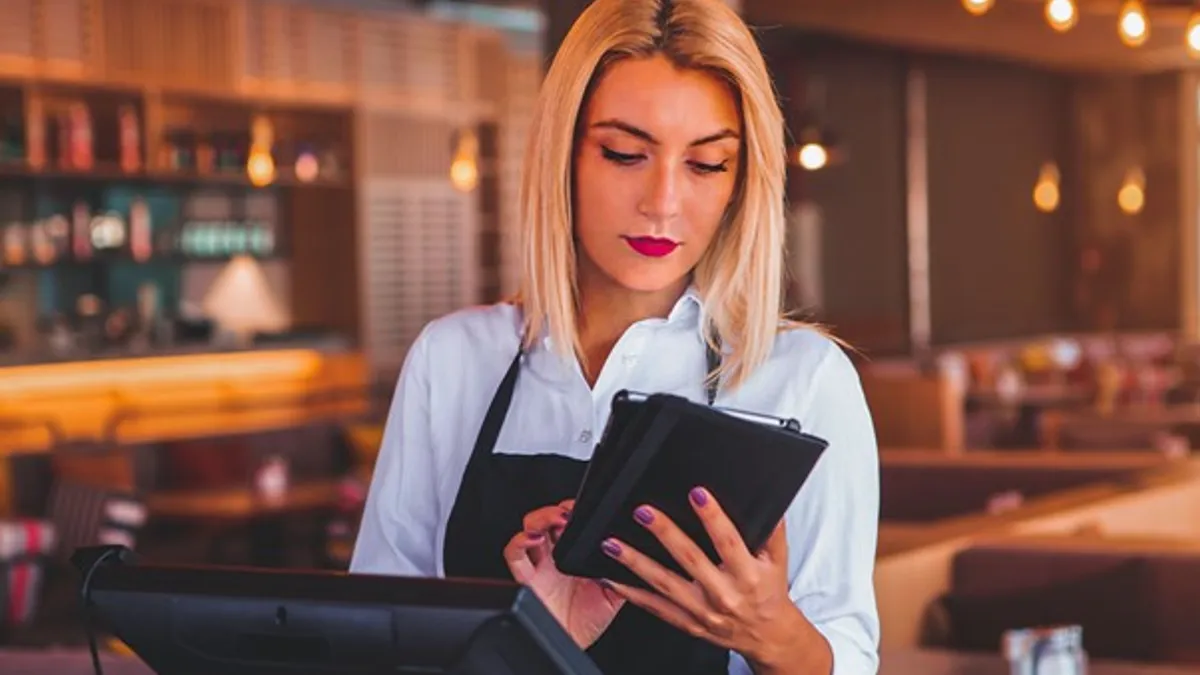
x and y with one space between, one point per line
995 202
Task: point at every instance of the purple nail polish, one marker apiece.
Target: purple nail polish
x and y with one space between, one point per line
643 515
699 496
535 536
611 548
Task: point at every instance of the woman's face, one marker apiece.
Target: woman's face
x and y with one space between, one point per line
655 167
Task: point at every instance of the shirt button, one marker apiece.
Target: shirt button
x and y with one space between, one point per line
585 436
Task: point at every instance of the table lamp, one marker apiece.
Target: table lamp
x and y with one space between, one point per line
241 303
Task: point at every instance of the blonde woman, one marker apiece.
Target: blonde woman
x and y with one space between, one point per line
653 208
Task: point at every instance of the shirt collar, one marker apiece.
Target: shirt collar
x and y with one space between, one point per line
688 310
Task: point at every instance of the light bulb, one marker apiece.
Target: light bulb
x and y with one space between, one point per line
977 7
813 156
1193 35
307 167
1132 25
463 174
1132 195
1045 191
1061 14
464 168
260 167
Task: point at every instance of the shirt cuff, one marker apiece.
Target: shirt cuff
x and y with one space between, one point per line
849 657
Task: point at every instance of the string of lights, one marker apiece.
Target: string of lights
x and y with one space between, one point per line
1133 24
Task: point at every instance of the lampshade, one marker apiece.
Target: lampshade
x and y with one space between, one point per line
240 300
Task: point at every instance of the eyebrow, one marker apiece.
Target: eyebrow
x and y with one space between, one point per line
649 138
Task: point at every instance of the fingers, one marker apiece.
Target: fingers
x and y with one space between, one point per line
687 553
550 520
668 611
524 552
776 548
730 546
679 593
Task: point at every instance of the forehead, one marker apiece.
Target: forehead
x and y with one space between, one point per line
655 95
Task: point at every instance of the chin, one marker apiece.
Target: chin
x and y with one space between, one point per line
649 282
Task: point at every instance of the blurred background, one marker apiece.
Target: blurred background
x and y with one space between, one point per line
222 223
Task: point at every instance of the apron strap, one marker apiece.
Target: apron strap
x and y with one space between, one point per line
493 421
713 358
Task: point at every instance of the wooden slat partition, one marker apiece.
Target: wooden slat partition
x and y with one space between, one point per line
915 410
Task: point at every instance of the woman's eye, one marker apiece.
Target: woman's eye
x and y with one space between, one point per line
710 168
620 157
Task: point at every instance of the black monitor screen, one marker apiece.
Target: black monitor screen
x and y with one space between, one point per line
205 620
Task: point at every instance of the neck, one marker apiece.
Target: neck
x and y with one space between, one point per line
607 310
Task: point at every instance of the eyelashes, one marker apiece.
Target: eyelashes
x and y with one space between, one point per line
625 159
620 157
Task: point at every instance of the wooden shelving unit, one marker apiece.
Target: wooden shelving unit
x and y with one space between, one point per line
395 87
191 153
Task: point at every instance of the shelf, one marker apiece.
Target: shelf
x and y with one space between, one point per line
113 174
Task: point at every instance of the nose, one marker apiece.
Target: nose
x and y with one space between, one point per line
661 200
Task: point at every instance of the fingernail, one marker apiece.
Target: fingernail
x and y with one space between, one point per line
535 536
567 514
611 547
605 583
643 515
699 496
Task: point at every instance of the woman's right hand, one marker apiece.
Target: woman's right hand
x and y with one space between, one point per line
582 606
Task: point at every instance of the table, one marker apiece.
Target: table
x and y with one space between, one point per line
935 662
66 662
894 662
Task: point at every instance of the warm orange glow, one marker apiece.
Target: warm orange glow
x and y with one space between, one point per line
464 169
195 370
977 7
1132 24
307 167
260 168
1193 35
260 165
1045 191
813 156
1131 198
1062 15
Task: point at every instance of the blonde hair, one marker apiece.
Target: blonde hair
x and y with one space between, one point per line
739 278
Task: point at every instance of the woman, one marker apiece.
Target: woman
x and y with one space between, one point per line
653 206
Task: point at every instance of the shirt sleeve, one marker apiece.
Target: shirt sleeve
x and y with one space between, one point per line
398 532
832 527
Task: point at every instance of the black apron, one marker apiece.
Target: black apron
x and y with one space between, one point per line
496 493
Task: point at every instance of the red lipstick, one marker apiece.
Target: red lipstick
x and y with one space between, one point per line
651 247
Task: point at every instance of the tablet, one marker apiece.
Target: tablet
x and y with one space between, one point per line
654 450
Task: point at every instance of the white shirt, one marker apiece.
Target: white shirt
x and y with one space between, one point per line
455 365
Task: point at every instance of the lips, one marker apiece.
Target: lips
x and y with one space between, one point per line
651 247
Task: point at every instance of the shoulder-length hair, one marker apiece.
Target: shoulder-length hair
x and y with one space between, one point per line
739 277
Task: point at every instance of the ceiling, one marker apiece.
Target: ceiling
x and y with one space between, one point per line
1012 29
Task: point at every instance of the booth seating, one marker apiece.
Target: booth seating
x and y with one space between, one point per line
921 488
1137 598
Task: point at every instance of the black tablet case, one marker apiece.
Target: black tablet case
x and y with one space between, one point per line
654 450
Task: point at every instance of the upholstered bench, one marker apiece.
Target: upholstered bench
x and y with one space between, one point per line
1136 598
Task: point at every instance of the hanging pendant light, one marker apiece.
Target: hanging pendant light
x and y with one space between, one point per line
1131 198
1132 24
1046 192
1193 35
1062 15
978 7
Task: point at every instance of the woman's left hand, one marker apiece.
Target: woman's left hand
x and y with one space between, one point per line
742 605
